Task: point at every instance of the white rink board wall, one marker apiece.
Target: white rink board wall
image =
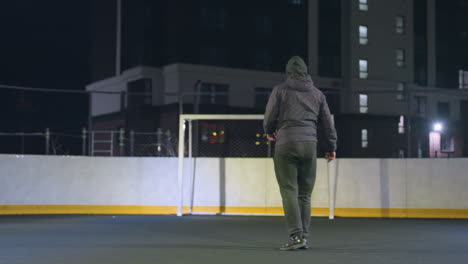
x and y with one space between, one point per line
229 182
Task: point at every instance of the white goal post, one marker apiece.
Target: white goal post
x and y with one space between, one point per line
181 145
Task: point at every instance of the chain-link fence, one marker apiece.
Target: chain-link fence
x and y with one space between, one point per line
229 138
132 143
65 144
46 142
210 138
27 112
155 144
93 143
22 143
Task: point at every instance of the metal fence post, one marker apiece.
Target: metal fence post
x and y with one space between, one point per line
91 142
90 124
121 141
408 122
132 142
22 142
169 146
47 141
83 144
269 149
112 143
158 140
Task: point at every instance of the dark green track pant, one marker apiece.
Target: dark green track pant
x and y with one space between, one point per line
295 167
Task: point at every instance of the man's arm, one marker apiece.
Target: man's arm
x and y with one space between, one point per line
270 121
328 127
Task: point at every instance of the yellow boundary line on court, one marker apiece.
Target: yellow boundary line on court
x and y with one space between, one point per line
165 210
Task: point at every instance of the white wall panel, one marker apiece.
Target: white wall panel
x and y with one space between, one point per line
236 182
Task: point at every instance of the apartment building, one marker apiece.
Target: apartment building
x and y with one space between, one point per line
385 66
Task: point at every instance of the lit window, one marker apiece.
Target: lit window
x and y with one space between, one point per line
401 91
364 138
401 125
363 103
400 24
363 6
463 79
363 40
400 57
363 69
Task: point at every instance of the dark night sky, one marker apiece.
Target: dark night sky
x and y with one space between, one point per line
44 44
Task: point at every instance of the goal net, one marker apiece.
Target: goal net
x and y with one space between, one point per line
230 136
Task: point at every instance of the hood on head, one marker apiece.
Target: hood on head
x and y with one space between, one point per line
296 67
298 77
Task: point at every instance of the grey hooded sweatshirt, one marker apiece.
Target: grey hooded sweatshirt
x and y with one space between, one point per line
296 107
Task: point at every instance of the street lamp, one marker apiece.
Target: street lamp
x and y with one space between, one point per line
437 127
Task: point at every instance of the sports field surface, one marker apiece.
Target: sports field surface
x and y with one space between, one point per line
143 239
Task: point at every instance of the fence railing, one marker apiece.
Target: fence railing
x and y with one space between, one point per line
90 143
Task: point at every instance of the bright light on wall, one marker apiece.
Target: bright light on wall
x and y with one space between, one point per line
438 127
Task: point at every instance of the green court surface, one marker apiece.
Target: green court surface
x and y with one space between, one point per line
226 239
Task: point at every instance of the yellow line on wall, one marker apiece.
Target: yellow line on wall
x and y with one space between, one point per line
165 210
85 209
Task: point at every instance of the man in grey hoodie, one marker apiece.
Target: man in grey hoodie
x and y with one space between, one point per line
294 111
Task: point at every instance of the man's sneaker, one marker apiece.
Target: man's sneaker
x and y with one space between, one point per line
304 244
295 242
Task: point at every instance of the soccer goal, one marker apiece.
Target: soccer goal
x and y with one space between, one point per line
222 136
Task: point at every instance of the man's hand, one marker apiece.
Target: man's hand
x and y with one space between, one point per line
329 156
271 137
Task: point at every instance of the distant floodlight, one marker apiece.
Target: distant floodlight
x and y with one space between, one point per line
438 127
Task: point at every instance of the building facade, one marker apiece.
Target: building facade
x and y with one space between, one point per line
381 64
